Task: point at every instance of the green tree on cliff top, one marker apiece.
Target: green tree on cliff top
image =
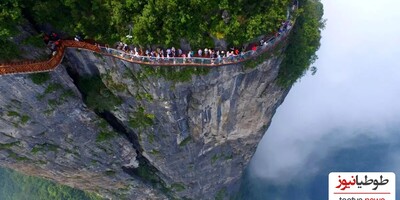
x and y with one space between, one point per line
161 22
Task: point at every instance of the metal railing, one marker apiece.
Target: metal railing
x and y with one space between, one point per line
25 67
52 63
195 61
32 66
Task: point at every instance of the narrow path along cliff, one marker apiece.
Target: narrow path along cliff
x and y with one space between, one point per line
130 126
267 45
33 67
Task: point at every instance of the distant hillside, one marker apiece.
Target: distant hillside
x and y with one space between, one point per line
14 185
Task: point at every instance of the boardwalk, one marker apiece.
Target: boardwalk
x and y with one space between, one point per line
51 64
43 66
195 61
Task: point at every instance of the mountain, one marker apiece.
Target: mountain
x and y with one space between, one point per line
131 131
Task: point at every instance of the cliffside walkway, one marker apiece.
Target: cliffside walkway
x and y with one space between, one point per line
25 67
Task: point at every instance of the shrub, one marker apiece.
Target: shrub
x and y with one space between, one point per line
96 95
12 114
185 141
39 78
304 41
178 187
25 119
140 119
52 87
8 50
8 145
44 147
35 40
104 136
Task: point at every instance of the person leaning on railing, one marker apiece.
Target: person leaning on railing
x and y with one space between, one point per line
208 56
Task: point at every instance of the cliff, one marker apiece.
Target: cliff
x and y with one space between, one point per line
142 132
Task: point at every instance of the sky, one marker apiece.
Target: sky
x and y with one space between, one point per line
354 94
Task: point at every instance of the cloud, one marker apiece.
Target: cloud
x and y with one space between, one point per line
355 92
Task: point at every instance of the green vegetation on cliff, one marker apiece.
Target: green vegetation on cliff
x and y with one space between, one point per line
166 22
10 14
96 94
304 42
14 185
161 22
40 78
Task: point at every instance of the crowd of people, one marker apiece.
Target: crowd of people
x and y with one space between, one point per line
215 56
158 54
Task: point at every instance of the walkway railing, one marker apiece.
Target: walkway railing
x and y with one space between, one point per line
195 61
49 65
43 66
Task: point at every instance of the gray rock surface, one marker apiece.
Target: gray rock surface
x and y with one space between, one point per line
203 132
53 135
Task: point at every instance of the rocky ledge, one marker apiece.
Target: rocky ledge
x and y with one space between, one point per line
159 133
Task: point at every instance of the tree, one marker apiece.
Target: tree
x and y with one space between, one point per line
161 22
303 42
10 15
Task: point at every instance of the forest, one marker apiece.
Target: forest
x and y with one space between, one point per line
166 22
14 185
304 42
161 22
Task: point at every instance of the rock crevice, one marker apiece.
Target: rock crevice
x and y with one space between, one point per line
160 138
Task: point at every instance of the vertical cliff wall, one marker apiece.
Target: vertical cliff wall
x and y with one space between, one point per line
202 132
46 130
165 138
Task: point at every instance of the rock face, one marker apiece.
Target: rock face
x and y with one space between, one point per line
47 131
171 139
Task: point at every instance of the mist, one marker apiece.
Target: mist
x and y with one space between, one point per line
351 101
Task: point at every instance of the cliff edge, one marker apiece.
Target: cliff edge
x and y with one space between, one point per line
159 138
127 131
